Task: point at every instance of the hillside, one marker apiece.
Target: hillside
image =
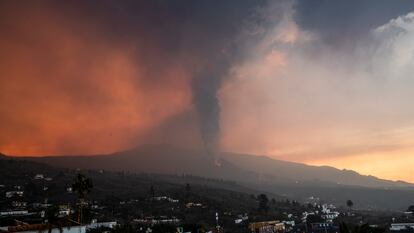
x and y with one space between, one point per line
118 185
261 173
301 172
166 159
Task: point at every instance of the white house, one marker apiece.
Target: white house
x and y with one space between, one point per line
10 194
96 224
40 228
14 213
401 226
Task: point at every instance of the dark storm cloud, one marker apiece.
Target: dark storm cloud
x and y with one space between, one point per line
338 21
198 31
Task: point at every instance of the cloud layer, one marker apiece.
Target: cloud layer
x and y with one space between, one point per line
305 100
322 82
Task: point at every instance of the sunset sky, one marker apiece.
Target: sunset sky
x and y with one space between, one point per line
323 82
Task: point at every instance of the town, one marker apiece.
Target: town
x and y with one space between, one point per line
39 198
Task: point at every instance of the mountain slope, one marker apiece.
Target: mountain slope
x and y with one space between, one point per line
239 167
162 159
261 173
301 172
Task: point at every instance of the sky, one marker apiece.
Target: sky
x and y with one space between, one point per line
323 82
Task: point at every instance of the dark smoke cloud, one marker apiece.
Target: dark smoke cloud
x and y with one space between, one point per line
201 39
214 31
210 35
205 85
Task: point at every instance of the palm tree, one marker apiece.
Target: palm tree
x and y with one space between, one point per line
263 202
82 186
187 191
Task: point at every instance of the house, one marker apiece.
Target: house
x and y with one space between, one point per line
328 214
191 204
241 218
289 225
173 200
94 224
162 220
42 228
401 226
165 198
17 193
306 214
267 227
19 204
14 213
64 210
41 205
323 227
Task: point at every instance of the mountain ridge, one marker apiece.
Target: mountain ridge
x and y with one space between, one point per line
168 159
286 179
327 173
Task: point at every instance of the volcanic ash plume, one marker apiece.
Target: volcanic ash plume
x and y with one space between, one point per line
205 85
216 44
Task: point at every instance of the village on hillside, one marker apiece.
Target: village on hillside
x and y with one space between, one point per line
97 201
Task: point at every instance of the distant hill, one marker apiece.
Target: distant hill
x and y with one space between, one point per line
161 159
302 172
292 180
167 159
14 170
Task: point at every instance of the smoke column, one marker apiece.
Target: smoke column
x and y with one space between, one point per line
205 85
218 41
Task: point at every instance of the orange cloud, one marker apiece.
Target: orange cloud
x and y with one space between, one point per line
66 90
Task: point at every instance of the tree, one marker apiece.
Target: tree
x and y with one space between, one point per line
187 192
187 188
365 228
32 191
312 218
263 202
287 202
82 186
53 220
152 192
349 203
